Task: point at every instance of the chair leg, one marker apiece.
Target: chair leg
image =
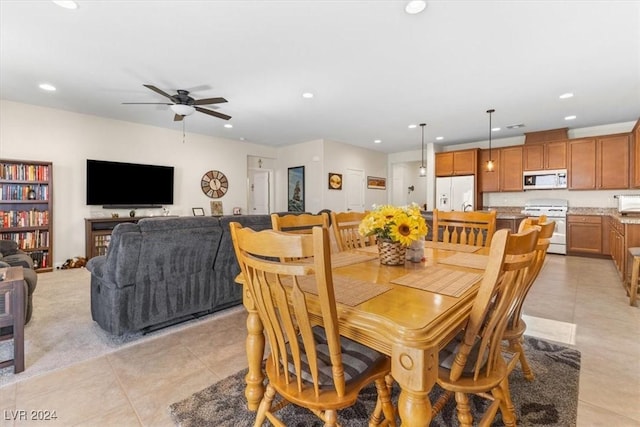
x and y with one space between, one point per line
463 409
633 285
502 395
330 418
264 406
383 405
515 345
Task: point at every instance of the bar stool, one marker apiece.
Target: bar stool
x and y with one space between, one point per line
12 294
632 288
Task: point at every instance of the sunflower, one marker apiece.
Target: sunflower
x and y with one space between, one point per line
402 224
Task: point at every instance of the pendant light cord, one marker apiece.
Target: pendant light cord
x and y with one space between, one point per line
422 125
491 111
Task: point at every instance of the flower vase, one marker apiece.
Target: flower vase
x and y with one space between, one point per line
391 253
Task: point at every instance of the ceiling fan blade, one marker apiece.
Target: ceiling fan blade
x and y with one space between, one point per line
156 90
148 103
213 113
178 118
209 101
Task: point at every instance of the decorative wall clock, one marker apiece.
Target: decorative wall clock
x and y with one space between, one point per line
214 184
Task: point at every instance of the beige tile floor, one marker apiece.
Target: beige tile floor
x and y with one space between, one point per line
135 385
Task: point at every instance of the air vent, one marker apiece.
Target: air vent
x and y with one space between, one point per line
516 126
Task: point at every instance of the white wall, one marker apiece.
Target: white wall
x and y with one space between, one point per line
67 139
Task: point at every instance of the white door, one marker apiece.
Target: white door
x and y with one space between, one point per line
354 187
398 189
258 192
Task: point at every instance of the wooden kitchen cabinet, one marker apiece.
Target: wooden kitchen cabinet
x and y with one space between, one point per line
489 181
511 168
635 150
454 163
545 156
599 163
584 234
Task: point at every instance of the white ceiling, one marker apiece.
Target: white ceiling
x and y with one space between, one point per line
373 68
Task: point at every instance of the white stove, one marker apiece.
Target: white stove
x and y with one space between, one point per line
555 210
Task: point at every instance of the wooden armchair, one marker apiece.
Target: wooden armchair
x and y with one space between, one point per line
345 229
310 366
467 228
472 363
299 223
516 327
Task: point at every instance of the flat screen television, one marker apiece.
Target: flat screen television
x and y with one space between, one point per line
128 185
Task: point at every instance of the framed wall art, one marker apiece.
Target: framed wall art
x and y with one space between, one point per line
376 183
295 192
198 211
216 208
335 181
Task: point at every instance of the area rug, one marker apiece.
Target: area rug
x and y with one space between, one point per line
550 400
62 332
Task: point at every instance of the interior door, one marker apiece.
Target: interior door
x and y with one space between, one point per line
354 186
258 192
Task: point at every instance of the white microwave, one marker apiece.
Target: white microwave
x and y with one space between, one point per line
545 179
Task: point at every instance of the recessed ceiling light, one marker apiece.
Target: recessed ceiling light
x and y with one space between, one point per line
228 125
570 117
495 129
566 95
307 95
68 4
48 87
415 6
439 138
413 126
377 141
515 126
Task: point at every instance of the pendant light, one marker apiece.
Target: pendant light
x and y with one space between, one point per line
423 168
490 164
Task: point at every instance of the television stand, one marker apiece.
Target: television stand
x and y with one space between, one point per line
98 233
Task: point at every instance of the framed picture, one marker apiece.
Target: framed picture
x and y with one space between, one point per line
335 181
198 211
377 183
216 208
295 193
237 211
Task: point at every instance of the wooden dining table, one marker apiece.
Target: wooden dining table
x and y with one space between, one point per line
404 321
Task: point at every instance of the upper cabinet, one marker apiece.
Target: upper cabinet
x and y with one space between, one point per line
635 149
599 163
507 170
547 155
511 168
453 163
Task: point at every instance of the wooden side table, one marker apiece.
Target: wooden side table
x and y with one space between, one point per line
12 295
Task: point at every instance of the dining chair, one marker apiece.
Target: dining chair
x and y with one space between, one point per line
473 363
345 230
468 228
309 365
516 326
302 223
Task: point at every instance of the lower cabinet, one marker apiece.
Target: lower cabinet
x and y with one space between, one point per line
584 234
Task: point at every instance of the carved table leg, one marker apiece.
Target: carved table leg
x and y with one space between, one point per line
415 370
255 351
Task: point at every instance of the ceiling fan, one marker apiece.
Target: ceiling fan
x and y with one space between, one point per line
184 105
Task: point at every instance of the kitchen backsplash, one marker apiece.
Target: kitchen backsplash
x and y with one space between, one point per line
577 198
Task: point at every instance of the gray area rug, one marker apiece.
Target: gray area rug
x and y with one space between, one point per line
62 333
550 400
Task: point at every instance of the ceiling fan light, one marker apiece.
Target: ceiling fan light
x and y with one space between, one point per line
182 110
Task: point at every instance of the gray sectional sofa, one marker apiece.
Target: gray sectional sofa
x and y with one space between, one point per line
165 270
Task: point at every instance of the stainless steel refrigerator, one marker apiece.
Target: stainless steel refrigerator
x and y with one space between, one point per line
455 193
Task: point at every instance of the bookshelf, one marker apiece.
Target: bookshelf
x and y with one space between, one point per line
26 214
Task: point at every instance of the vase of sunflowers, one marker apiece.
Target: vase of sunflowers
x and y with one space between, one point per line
395 229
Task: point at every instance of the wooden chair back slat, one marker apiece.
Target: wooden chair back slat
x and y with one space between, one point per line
345 229
466 228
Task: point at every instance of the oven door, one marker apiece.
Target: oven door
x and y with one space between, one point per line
558 242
